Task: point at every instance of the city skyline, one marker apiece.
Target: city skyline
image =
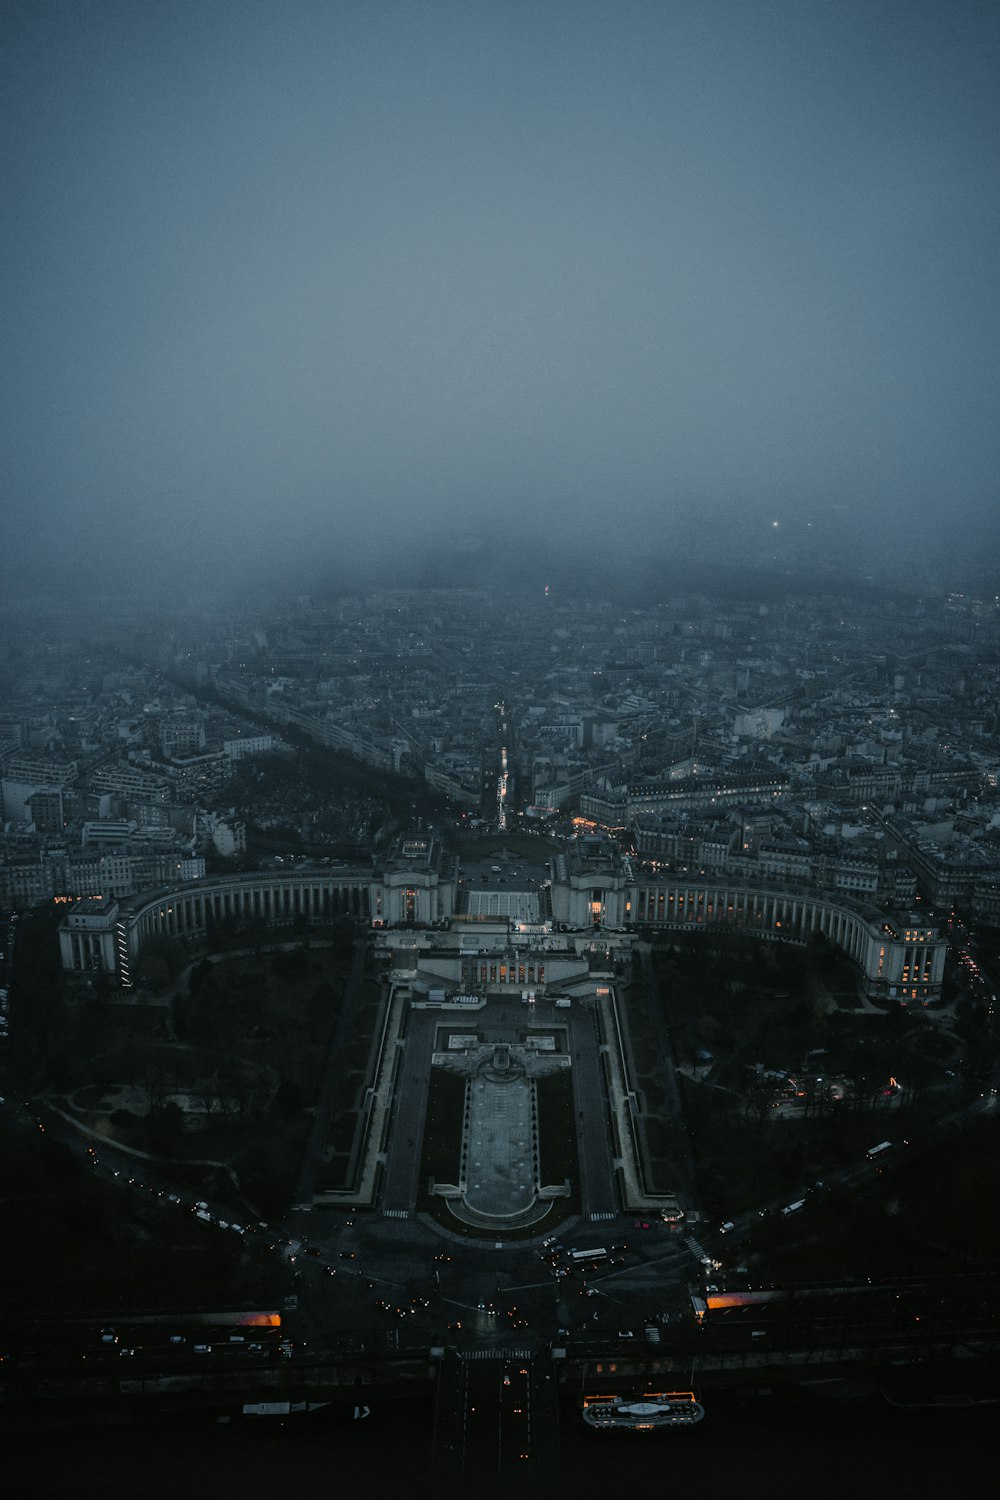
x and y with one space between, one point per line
499 744
498 1013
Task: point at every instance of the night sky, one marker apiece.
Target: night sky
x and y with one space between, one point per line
295 284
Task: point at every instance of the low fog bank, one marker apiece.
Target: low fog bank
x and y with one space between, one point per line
737 550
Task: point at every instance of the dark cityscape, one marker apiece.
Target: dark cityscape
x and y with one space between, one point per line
500 747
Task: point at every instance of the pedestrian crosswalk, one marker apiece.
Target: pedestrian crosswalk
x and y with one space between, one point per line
494 1354
395 1213
595 1217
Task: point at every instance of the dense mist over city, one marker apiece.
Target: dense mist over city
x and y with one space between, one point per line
499 746
319 292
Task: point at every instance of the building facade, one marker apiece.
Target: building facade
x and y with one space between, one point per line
592 889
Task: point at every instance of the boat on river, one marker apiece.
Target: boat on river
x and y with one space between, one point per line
652 1411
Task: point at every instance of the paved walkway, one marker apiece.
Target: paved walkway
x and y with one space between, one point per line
624 1108
313 1156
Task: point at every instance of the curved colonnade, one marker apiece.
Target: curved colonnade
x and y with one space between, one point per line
901 960
191 911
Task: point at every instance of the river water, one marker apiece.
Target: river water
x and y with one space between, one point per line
809 1453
